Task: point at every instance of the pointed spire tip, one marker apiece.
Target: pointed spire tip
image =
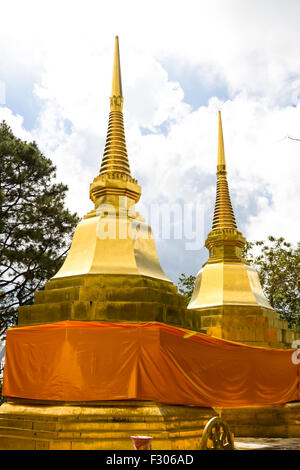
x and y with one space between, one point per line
117 82
221 151
223 215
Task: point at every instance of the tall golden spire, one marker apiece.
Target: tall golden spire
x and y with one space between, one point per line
224 242
114 179
116 91
115 158
221 152
228 297
223 215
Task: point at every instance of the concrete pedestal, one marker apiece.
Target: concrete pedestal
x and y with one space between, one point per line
100 426
263 421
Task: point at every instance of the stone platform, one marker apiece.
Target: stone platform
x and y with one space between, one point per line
108 298
100 426
275 421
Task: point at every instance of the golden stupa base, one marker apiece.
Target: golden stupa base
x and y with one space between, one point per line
251 325
263 421
229 302
100 426
106 297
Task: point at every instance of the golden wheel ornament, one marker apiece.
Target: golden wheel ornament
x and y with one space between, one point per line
217 436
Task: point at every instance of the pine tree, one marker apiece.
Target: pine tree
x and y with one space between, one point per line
35 226
278 267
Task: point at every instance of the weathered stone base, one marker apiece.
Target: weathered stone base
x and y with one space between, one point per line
251 325
107 298
263 421
101 426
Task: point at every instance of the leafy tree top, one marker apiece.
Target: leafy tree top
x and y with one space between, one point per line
35 226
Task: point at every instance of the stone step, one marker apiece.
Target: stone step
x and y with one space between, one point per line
102 311
124 294
98 426
107 426
21 443
264 421
104 281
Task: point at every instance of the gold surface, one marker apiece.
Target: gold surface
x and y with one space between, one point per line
228 295
223 215
106 298
115 157
101 426
91 253
234 284
115 177
116 90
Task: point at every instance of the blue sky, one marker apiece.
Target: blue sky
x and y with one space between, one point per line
177 71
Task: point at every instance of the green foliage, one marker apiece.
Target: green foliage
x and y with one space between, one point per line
277 264
35 227
186 285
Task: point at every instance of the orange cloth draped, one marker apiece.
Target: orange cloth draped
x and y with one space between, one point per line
91 361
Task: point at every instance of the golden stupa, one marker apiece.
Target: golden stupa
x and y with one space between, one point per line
112 271
228 295
111 274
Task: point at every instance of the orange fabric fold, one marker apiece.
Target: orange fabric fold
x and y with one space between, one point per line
91 361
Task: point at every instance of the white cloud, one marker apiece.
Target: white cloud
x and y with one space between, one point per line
15 121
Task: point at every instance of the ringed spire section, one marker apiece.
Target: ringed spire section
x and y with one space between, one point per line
223 214
115 158
114 179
